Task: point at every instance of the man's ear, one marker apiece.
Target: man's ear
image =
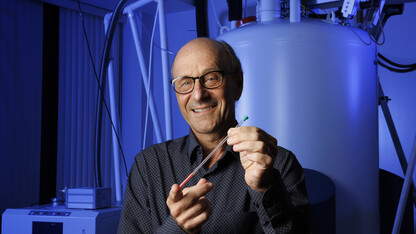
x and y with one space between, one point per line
239 82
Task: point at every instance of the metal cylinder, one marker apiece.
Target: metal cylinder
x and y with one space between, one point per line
268 10
313 86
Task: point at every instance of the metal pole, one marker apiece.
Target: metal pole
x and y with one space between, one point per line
135 5
114 117
153 111
405 191
165 69
395 137
294 7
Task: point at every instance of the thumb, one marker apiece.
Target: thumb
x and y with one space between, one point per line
175 193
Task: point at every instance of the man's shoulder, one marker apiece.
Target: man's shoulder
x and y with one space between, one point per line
177 144
283 152
285 158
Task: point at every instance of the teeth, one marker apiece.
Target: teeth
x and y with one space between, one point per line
201 110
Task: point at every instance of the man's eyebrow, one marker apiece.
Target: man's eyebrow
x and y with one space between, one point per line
205 71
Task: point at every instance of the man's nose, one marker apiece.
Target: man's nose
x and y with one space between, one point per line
199 90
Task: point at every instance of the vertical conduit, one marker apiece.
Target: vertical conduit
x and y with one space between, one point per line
153 112
165 68
294 11
114 117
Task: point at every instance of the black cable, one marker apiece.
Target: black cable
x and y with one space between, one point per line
97 167
365 43
396 64
367 27
96 76
97 170
395 69
103 67
86 38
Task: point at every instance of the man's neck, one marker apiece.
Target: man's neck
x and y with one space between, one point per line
209 141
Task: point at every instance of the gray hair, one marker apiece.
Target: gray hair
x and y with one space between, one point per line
235 61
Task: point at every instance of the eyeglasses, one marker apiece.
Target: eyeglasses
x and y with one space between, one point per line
209 80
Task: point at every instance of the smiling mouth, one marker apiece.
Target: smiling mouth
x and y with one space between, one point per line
203 109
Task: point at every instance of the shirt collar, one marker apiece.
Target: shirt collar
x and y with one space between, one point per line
193 145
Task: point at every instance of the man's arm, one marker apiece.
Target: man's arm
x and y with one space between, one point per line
275 179
136 216
284 207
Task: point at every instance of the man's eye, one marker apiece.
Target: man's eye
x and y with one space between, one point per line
186 82
211 79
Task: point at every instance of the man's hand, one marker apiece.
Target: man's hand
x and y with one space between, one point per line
190 208
257 154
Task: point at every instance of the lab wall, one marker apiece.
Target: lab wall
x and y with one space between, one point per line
20 102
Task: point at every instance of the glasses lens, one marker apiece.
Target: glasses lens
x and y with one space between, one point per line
212 80
183 85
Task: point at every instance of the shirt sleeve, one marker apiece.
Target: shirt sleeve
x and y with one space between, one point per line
284 207
136 216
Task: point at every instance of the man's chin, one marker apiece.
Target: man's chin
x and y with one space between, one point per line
202 130
203 126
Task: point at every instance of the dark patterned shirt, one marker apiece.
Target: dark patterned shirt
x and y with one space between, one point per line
236 208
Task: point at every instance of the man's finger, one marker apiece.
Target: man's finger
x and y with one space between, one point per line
260 159
175 193
199 213
189 195
198 207
199 190
250 133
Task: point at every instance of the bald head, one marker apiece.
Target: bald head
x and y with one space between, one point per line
205 50
200 43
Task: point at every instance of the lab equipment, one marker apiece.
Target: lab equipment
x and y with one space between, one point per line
318 81
58 219
88 198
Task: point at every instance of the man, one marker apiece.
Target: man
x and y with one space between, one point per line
250 185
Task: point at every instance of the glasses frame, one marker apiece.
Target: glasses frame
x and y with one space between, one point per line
223 73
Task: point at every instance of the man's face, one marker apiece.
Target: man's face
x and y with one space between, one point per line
206 110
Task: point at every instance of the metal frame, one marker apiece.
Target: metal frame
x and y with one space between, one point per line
395 137
129 10
405 191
